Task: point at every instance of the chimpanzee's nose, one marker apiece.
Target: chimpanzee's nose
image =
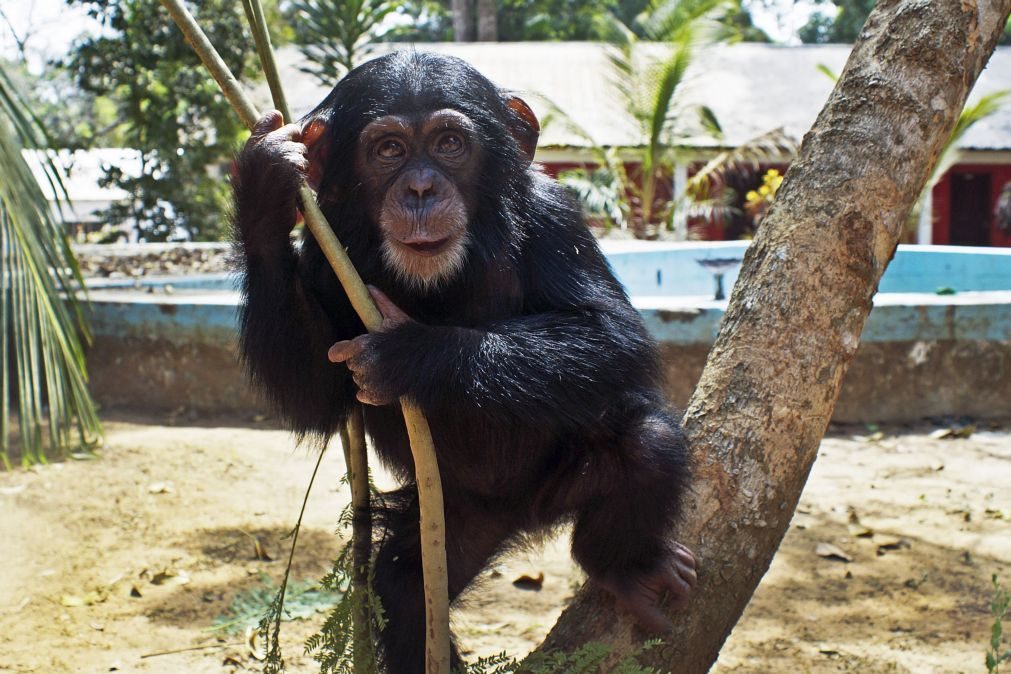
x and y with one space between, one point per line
421 182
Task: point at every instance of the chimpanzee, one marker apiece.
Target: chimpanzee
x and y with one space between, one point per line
502 322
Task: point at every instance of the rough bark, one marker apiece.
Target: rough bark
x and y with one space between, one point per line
463 20
796 314
487 20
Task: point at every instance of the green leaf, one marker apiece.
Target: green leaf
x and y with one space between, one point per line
41 319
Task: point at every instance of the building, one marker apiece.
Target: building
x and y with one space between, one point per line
752 89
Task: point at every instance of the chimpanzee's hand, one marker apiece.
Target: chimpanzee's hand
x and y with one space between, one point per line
671 583
363 359
269 170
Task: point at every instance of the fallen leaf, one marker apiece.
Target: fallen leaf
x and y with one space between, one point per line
260 553
855 527
74 601
11 491
256 651
170 577
160 488
890 543
829 551
526 582
997 514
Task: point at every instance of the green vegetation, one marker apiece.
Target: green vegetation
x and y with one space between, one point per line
998 609
617 195
168 108
845 22
303 600
43 378
337 35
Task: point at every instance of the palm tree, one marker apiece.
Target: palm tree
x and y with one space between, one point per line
44 401
649 89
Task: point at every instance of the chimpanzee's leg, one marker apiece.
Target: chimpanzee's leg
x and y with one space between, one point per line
621 532
473 537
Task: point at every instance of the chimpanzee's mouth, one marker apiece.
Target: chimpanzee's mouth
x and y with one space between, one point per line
427 248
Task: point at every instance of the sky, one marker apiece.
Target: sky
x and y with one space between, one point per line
52 26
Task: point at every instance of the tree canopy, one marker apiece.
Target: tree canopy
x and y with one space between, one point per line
843 24
167 108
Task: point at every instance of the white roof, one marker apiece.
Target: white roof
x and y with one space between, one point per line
751 87
81 171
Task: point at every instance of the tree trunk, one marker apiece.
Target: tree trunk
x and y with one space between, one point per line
487 21
463 20
795 317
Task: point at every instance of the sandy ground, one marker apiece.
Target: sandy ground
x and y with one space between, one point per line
124 563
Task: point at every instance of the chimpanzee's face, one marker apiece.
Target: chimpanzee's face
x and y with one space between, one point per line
419 173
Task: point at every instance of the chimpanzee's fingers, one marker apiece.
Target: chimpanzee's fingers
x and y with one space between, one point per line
295 154
684 562
342 351
392 314
679 588
270 121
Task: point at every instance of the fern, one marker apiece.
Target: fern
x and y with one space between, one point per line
336 647
246 610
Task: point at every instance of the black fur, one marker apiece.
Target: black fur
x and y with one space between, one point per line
540 383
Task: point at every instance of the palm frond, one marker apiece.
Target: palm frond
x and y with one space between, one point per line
775 144
601 193
970 115
41 320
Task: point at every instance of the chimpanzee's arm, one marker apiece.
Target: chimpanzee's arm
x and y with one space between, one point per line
558 367
284 331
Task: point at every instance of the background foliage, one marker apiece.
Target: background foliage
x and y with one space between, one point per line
166 107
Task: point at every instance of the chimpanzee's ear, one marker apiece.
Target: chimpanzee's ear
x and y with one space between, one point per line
314 137
525 128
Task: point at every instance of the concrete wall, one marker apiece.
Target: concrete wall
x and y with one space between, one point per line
920 355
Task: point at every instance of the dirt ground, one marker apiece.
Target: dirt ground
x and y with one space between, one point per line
124 563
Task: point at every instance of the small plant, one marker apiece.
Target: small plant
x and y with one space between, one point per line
587 659
998 609
303 599
757 202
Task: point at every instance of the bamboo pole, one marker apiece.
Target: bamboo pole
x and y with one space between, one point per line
433 521
361 537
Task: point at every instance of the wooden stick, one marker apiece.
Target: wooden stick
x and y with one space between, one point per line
429 482
361 541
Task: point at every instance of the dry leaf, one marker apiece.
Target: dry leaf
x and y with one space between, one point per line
889 543
829 551
260 553
256 650
11 491
93 597
170 577
855 527
161 488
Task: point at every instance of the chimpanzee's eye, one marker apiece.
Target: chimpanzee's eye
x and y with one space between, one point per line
449 144
391 149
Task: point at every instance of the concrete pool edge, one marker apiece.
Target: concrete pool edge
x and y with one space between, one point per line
921 354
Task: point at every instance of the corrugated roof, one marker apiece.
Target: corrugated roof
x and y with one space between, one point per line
752 88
